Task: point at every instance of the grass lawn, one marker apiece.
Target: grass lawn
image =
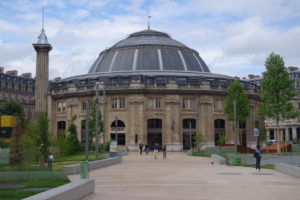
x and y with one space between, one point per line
14 194
79 157
59 166
268 166
201 154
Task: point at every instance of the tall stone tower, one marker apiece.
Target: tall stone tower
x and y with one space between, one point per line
42 48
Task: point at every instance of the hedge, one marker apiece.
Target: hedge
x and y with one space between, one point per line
14 176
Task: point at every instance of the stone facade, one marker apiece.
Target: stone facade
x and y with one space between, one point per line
17 88
134 104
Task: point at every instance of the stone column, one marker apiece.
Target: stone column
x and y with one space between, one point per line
42 76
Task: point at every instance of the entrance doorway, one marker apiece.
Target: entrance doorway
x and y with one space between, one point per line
154 138
186 140
154 132
189 133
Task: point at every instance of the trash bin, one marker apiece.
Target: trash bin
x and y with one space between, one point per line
84 168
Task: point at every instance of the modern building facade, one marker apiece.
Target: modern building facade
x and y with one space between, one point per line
153 89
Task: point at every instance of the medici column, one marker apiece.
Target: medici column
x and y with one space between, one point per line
42 48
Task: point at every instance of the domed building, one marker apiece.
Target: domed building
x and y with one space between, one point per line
153 89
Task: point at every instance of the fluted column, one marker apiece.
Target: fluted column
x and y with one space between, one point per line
42 76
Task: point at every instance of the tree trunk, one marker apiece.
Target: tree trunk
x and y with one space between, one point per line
278 137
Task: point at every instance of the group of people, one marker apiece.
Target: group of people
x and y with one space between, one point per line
156 149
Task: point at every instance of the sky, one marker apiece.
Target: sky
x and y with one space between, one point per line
233 37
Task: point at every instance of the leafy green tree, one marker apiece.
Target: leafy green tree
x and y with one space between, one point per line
15 154
222 140
41 135
198 141
277 92
30 151
92 122
72 140
11 108
236 92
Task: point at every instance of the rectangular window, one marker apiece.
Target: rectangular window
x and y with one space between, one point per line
114 103
298 134
272 136
86 105
64 106
59 107
192 103
218 104
150 103
157 103
121 103
185 103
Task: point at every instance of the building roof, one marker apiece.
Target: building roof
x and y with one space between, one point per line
147 51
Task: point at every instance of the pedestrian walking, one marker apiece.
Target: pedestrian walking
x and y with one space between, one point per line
164 149
146 149
156 149
141 148
257 155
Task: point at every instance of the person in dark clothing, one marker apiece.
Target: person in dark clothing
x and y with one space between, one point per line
164 149
257 155
146 148
141 148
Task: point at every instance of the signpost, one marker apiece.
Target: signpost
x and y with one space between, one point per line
256 134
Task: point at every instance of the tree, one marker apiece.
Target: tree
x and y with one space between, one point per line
41 135
199 141
15 154
222 140
92 122
74 146
236 93
11 108
277 92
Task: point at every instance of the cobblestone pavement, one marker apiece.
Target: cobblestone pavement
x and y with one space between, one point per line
183 177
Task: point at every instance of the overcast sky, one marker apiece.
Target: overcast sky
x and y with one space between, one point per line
234 37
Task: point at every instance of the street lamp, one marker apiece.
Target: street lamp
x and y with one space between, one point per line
190 124
116 127
97 120
235 126
87 135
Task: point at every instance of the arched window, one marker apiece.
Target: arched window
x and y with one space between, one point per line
119 124
154 123
186 123
219 123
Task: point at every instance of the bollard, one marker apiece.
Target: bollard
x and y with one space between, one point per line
84 167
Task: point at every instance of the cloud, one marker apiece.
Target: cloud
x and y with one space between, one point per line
233 37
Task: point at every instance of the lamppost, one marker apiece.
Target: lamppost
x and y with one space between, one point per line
235 127
97 120
116 127
190 125
104 112
87 135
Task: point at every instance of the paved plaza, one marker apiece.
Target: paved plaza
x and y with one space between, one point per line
183 177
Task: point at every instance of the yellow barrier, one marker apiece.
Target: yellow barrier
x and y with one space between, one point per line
8 121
